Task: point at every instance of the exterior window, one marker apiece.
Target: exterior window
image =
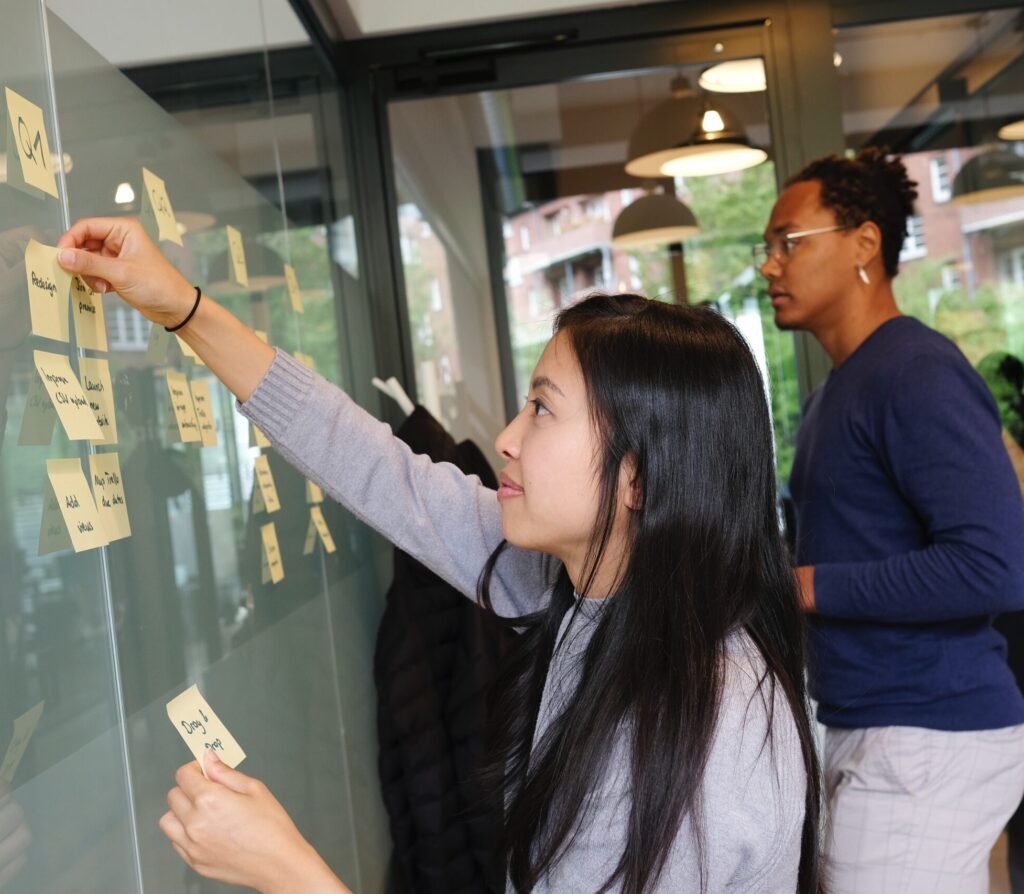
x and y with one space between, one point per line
914 245
524 238
941 186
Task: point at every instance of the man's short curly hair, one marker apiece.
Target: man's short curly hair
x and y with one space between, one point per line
872 186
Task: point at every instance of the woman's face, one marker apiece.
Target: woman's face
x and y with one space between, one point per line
549 486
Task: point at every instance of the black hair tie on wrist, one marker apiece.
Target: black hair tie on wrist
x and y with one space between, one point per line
191 313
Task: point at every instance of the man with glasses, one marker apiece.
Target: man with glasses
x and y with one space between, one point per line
910 540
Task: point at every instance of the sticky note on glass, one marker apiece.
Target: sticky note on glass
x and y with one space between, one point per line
26 139
204 413
157 208
257 438
305 360
202 729
48 287
87 311
313 492
265 484
99 391
237 252
24 727
39 417
181 404
68 398
108 493
273 569
294 294
75 503
186 350
317 528
156 348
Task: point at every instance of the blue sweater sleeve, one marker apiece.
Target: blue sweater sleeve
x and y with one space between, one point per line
940 441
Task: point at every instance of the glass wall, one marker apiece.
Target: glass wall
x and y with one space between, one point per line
97 640
947 93
512 205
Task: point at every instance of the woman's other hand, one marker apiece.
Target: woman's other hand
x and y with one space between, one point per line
232 829
15 838
116 254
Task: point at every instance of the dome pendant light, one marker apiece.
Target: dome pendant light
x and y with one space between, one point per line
653 220
990 176
684 137
1013 131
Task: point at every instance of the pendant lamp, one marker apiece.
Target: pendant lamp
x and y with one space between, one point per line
686 136
991 176
1012 131
653 220
735 76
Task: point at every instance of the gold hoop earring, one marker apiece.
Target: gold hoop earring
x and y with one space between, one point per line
863 274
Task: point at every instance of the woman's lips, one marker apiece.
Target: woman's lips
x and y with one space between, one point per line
508 488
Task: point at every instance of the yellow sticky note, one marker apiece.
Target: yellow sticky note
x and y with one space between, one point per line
76 503
100 392
156 348
24 726
108 492
204 413
313 492
258 504
293 288
318 527
68 398
181 403
271 552
39 417
48 286
53 533
26 138
265 481
305 360
158 206
201 729
87 309
261 335
237 252
257 438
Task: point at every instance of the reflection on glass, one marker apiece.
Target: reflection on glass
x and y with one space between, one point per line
552 180
103 639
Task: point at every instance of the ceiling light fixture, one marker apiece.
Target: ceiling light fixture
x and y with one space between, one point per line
685 137
653 220
990 176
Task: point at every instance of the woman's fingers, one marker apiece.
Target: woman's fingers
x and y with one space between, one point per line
220 772
102 230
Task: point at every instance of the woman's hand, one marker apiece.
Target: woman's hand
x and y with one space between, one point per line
232 829
15 838
116 254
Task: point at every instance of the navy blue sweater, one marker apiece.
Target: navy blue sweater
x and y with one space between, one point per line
908 509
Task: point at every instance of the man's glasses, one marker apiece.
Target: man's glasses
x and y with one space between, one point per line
782 247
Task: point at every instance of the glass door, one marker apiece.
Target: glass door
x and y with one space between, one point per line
655 176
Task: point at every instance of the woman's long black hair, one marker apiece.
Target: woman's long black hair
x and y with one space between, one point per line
675 391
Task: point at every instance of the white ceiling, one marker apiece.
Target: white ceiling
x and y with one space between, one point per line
144 32
373 18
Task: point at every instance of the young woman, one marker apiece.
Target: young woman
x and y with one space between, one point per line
653 732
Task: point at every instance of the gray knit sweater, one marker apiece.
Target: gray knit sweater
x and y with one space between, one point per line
753 792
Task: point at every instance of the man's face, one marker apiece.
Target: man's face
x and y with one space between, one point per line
809 283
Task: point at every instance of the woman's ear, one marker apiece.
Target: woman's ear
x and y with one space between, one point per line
630 486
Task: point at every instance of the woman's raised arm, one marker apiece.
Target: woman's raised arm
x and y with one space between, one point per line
116 254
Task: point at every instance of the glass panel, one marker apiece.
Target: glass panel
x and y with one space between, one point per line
946 93
55 619
112 634
529 182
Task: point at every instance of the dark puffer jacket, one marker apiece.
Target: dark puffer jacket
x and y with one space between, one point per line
437 654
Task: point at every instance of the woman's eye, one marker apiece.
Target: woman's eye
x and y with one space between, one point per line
538 407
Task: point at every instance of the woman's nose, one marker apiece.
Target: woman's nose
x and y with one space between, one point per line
507 443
